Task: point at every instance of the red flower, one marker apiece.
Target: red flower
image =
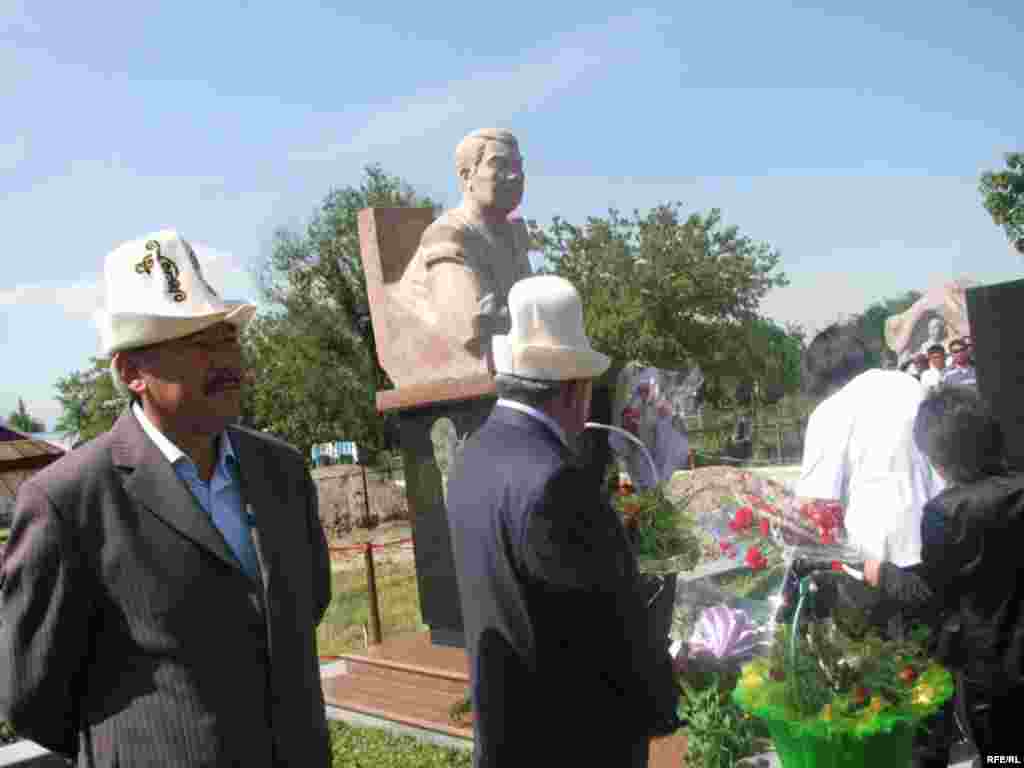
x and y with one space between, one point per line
743 520
836 565
765 527
755 559
827 537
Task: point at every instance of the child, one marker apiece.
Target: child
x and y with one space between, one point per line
971 573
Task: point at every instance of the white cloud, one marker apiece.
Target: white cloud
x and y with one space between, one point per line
76 299
80 299
13 153
488 98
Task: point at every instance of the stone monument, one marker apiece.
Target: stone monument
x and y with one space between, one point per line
938 317
437 309
438 290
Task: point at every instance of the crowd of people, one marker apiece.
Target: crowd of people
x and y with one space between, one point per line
122 553
939 366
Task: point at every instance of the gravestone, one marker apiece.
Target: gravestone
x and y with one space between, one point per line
997 315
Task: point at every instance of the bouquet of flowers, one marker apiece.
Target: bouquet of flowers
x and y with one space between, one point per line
833 692
664 534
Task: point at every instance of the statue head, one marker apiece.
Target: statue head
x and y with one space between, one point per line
490 169
936 328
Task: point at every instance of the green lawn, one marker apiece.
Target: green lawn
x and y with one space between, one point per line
341 631
376 748
342 628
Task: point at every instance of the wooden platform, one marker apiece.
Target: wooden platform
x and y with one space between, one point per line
413 684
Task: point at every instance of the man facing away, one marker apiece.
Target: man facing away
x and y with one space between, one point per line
564 667
163 583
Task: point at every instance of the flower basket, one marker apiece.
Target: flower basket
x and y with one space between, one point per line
841 735
834 694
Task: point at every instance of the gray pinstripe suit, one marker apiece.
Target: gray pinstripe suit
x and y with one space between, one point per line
130 635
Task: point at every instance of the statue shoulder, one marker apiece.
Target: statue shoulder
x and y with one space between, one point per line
443 240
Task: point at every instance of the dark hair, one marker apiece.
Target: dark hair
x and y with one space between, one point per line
936 348
836 356
956 430
527 391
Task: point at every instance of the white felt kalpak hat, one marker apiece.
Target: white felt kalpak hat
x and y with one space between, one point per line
546 340
156 292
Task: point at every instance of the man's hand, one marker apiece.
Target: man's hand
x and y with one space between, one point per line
871 571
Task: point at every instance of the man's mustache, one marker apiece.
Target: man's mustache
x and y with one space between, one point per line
222 379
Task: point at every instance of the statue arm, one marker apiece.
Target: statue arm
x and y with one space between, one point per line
455 288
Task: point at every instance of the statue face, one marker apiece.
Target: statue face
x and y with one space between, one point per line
498 180
935 328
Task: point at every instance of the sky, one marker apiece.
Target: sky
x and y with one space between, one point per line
850 140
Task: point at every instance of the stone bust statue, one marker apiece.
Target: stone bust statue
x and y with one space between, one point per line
457 282
936 334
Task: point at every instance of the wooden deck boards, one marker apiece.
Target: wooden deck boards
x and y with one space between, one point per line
407 680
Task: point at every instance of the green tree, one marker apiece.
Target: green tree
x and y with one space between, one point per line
1002 195
22 421
311 352
90 404
668 289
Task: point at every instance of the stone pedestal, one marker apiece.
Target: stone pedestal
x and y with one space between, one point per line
997 313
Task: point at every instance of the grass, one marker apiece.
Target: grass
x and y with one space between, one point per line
376 748
341 631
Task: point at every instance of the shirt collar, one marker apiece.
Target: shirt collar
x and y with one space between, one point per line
173 453
539 415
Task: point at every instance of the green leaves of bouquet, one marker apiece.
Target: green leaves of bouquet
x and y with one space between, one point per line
662 529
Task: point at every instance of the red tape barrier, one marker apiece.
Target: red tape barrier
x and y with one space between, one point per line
362 548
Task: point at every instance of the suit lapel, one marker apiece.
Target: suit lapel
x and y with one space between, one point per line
152 482
258 497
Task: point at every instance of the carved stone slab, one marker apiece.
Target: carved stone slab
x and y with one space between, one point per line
907 332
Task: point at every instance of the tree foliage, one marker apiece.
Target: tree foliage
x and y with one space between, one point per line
90 404
311 353
1002 194
23 421
669 290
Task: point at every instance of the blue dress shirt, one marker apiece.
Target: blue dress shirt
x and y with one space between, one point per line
221 498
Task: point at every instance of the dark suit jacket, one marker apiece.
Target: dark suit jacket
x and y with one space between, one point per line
564 667
971 578
130 634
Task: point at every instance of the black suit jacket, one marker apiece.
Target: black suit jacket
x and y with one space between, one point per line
564 667
970 580
130 634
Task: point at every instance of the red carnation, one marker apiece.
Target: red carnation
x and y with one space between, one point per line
755 559
765 527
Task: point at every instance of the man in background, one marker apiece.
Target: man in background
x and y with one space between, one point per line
932 377
961 373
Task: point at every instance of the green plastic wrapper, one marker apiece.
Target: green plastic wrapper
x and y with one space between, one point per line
877 735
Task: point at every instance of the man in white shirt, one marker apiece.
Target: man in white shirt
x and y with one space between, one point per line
859 448
932 377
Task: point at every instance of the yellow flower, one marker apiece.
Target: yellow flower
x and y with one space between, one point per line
923 694
876 704
826 712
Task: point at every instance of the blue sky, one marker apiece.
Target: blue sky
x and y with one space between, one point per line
850 140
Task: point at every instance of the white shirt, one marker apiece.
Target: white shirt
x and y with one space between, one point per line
859 449
540 416
931 378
